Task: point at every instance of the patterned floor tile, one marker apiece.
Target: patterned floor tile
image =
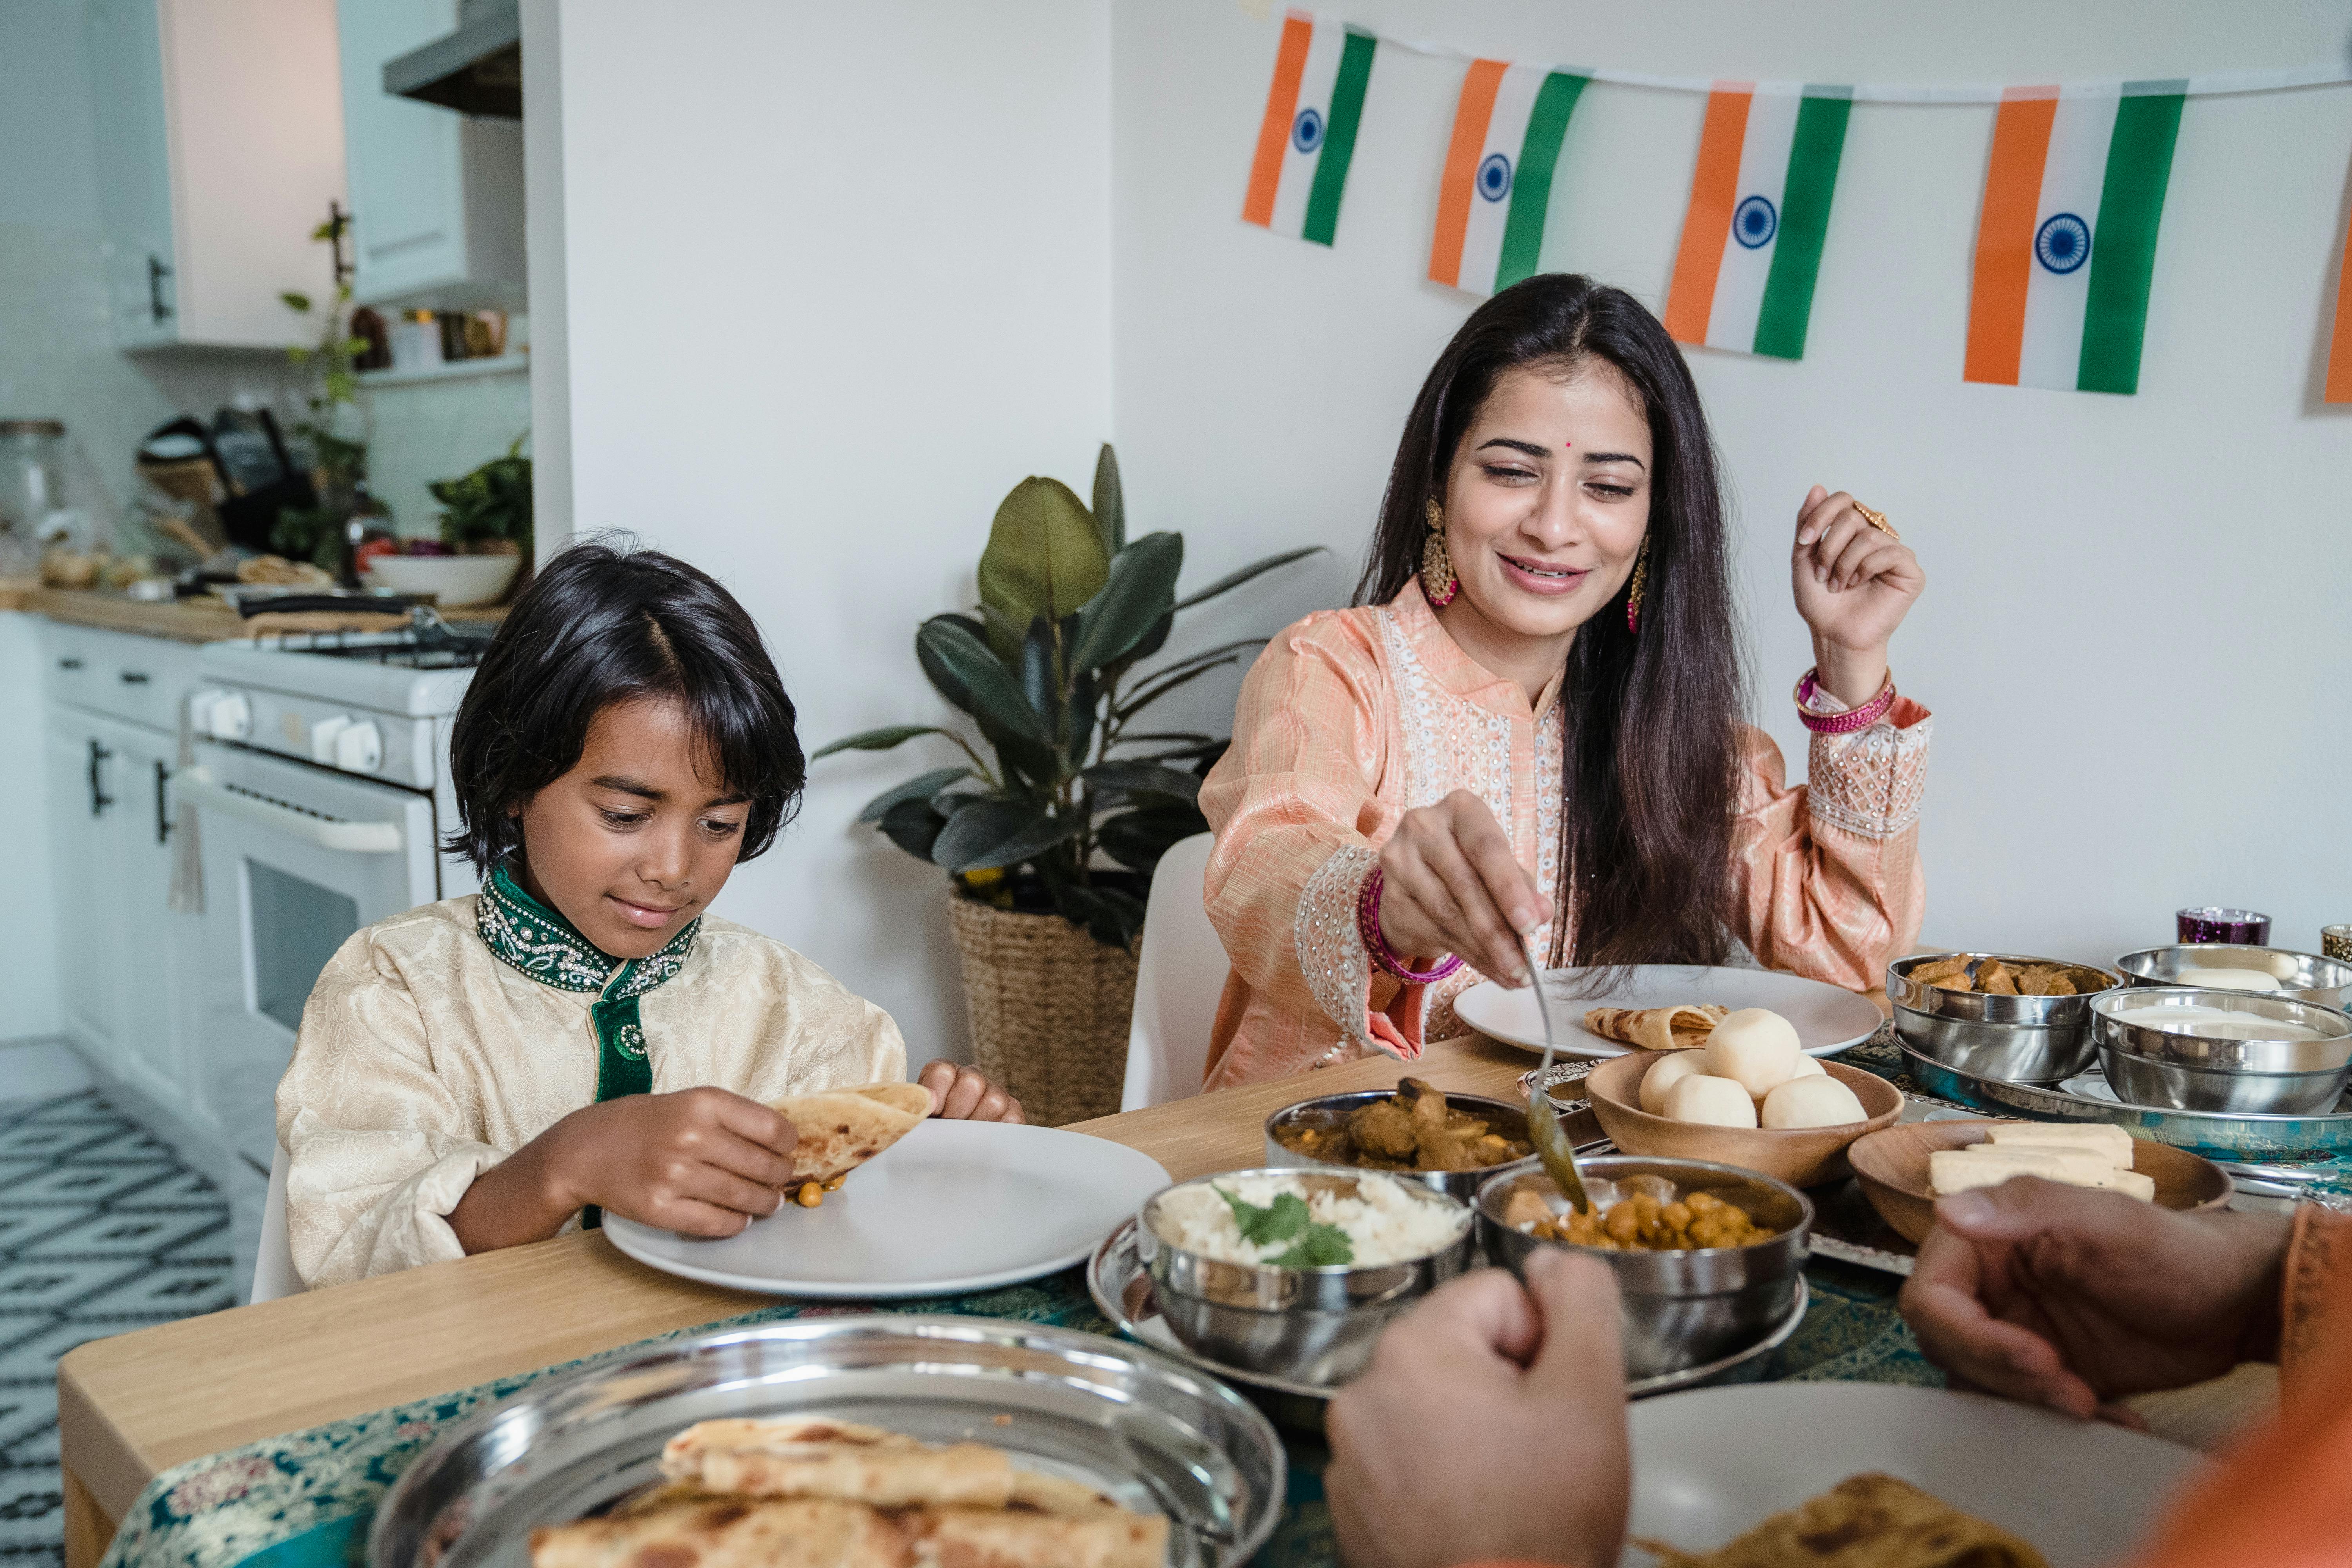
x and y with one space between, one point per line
102 1230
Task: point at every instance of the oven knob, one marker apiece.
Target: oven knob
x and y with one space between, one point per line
323 735
231 717
200 708
360 748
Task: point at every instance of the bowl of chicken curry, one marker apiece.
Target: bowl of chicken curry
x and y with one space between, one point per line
1451 1142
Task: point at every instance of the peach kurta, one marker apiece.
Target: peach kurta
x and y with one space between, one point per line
1351 718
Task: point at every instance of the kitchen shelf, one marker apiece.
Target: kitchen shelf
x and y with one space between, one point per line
500 364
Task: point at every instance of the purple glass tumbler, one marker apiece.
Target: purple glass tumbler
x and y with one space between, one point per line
2212 924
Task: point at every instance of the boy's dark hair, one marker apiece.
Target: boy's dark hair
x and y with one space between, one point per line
600 626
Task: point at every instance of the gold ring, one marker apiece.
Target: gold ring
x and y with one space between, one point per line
1877 520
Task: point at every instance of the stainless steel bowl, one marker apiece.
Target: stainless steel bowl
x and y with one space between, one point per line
1309 1325
2184 1071
1333 1109
2302 976
1679 1309
2021 1039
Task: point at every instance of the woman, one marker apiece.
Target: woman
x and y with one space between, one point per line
1530 724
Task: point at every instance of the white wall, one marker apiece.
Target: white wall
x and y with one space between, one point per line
837 277
2135 633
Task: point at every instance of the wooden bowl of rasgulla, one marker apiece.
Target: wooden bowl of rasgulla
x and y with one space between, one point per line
1741 1083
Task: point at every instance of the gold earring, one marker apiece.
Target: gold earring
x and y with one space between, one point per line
1641 581
1438 579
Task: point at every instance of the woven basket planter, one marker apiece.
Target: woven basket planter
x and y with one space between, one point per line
1050 1009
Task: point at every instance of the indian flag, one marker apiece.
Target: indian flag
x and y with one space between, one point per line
1508 129
1759 206
2066 242
1309 132
2340 346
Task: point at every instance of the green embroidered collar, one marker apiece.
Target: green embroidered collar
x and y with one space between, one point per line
527 936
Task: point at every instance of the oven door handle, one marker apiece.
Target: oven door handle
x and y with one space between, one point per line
209 794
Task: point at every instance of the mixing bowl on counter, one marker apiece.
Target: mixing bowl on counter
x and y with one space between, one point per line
2259 971
2223 1050
2018 1039
1309 1324
1684 1306
1477 1137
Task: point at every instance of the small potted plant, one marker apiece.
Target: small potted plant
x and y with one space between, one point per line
486 535
1050 843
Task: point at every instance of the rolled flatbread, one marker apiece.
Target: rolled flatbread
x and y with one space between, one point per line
841 1129
1865 1521
805 1458
731 1532
1682 1028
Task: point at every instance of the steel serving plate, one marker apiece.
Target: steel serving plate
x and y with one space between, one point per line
1121 1287
1147 1430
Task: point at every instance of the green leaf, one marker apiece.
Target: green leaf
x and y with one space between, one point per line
922 787
1143 778
1137 591
1206 656
913 826
1082 719
1038 673
1156 689
1001 832
1278 1221
1155 640
1138 838
1232 580
1112 917
1044 557
876 740
1318 1246
1110 503
296 301
988 689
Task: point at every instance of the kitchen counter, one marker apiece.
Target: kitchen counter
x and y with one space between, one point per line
187 620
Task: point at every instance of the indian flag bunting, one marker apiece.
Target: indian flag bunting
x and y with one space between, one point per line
1496 188
1320 70
1759 209
2339 348
2066 240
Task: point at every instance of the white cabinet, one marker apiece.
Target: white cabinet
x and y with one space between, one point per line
126 960
437 196
219 135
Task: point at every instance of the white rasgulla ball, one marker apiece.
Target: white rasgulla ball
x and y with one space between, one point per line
1812 1102
1664 1074
1711 1103
1756 1049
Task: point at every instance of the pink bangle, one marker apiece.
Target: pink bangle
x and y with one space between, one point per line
1368 926
1847 722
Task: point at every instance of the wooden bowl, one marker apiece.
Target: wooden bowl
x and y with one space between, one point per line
1801 1156
1893 1168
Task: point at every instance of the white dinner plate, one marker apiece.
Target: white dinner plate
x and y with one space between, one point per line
1828 1018
951 1208
1711 1463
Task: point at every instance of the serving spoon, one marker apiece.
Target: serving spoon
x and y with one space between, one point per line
1544 1131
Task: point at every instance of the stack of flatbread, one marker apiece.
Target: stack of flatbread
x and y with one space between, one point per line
829 1494
1684 1028
1865 1521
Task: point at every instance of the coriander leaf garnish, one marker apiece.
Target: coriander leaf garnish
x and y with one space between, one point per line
1281 1220
1321 1247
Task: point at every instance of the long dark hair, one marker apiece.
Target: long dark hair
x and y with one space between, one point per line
1652 719
601 625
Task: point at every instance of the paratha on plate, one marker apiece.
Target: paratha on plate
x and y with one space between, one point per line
1864 1521
1682 1028
841 1129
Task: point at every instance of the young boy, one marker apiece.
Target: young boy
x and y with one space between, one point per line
580 1036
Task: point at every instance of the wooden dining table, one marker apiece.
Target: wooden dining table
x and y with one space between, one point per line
133 1405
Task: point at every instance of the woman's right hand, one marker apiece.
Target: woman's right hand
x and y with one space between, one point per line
1449 883
701 1162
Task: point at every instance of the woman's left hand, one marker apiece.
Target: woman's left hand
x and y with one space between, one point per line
964 1094
1853 586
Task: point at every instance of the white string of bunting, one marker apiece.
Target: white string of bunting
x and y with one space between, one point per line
2066 237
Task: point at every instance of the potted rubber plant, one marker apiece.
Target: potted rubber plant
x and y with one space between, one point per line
1050 824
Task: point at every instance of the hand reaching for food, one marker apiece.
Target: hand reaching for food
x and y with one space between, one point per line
1449 884
1855 582
1490 1425
2070 1298
965 1094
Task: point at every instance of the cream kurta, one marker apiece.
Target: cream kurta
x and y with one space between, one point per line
424 1060
1351 718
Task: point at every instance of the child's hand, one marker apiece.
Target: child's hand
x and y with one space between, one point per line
701 1162
964 1094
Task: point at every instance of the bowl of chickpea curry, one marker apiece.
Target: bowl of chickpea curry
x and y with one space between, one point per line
1707 1257
1451 1142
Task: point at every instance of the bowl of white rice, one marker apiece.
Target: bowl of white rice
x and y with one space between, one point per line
1295 1271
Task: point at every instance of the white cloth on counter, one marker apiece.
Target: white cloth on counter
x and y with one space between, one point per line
424 1059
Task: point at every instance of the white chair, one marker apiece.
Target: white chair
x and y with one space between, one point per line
1178 979
273 1269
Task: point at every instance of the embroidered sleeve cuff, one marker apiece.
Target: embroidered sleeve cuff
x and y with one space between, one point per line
1870 783
1331 955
